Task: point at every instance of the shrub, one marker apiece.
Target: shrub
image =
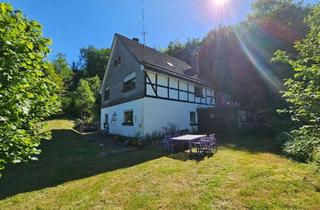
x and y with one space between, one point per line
155 136
303 91
79 123
170 129
304 143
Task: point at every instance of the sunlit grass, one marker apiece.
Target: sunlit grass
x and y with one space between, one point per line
244 173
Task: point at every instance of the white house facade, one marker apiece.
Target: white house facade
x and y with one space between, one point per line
144 91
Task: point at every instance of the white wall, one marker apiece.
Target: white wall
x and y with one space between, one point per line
159 112
173 94
116 118
149 114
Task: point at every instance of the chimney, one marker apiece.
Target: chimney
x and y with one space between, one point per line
195 62
135 39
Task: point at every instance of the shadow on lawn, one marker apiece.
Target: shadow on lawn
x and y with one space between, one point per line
187 156
70 156
251 143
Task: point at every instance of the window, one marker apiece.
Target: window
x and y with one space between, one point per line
117 61
129 82
128 118
193 118
198 91
107 94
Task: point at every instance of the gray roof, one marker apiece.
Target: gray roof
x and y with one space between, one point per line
158 60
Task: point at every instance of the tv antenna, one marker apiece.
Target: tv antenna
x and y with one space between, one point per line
144 33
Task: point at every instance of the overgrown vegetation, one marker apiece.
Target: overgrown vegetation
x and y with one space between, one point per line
303 92
81 82
27 93
236 59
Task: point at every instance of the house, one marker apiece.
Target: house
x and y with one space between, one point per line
144 90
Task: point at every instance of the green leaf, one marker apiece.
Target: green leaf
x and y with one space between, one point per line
30 45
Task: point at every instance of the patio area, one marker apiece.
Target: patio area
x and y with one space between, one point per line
203 144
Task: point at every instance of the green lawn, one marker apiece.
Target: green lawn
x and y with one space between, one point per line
74 172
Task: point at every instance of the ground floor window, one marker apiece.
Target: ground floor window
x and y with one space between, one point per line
193 118
128 118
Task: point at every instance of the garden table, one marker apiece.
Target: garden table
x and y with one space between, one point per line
184 139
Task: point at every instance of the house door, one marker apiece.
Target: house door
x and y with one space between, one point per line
207 122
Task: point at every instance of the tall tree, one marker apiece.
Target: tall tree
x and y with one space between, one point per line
94 61
303 91
27 95
183 51
94 83
62 67
84 100
237 59
63 70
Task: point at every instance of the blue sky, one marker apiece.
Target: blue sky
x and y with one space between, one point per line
72 24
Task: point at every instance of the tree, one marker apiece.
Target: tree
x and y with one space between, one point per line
280 18
94 83
52 74
62 67
183 51
94 61
84 100
237 59
63 70
303 91
27 95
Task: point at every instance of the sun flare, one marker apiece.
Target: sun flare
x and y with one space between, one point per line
219 2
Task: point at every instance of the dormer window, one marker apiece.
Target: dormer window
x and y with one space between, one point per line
107 94
117 61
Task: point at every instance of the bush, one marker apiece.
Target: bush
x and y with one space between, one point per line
169 129
316 159
302 91
79 123
155 136
304 144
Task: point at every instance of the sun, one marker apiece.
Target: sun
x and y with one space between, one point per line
219 2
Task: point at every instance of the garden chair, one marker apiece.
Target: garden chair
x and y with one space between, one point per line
213 142
212 135
206 145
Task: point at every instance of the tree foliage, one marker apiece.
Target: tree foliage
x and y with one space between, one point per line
27 94
237 59
303 90
183 51
94 61
84 100
62 68
65 74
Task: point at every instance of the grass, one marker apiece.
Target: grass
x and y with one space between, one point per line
74 172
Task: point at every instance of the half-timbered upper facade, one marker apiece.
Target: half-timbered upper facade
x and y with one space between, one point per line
144 90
